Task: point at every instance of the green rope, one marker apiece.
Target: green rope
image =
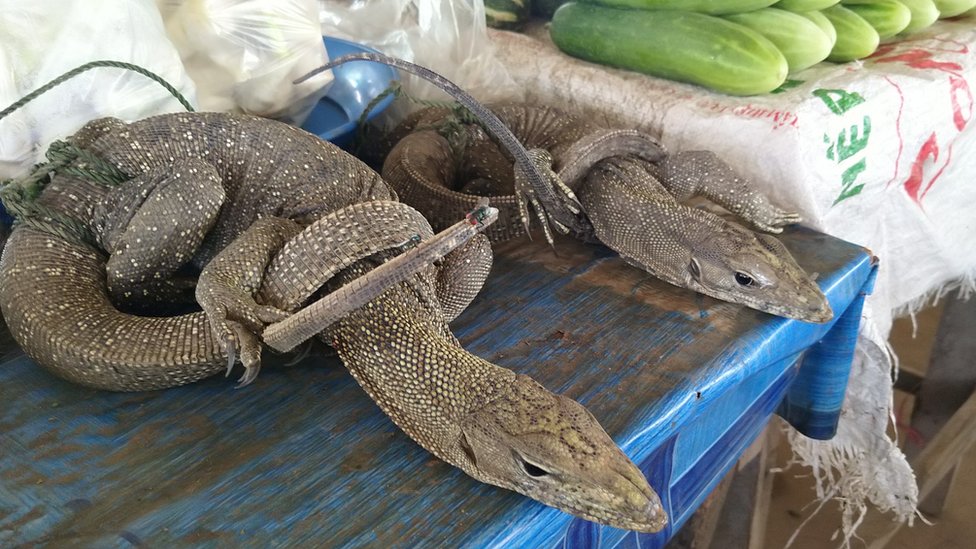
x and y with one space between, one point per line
21 203
85 164
94 65
19 196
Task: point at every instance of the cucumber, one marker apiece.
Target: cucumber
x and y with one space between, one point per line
821 21
924 13
685 46
856 38
888 17
952 8
800 40
804 5
711 7
506 14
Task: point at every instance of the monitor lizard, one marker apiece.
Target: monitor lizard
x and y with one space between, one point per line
233 195
618 186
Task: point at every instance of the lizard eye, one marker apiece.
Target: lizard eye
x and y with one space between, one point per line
695 269
531 469
743 279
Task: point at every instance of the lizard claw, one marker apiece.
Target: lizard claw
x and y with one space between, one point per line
230 347
237 320
777 219
245 342
557 199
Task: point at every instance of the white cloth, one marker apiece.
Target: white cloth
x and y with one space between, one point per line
877 152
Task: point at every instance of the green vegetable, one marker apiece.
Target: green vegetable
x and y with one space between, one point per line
800 40
804 5
924 13
712 7
888 17
506 14
952 8
856 38
821 21
685 46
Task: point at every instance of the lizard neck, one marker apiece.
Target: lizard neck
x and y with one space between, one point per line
401 352
636 216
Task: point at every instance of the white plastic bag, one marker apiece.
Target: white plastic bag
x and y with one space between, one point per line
244 54
449 37
43 39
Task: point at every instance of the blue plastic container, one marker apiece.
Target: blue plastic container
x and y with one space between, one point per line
356 84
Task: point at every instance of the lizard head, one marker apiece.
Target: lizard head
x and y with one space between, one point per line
755 269
549 448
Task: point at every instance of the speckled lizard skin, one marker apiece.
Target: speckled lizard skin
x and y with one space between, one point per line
225 194
629 188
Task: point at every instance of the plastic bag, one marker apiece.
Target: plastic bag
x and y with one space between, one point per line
43 39
244 54
449 37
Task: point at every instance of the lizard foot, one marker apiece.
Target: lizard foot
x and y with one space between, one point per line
774 219
554 205
703 173
237 320
247 344
228 284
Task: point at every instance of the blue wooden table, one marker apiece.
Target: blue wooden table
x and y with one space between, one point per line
303 458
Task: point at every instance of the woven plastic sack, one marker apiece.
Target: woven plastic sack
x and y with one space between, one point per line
244 54
43 39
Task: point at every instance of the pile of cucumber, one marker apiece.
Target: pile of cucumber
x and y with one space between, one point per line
739 47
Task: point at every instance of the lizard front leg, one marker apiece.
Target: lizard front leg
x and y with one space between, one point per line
151 226
228 284
702 173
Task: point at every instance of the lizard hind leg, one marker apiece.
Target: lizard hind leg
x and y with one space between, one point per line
151 226
703 173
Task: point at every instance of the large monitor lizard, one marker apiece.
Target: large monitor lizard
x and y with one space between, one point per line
628 191
226 193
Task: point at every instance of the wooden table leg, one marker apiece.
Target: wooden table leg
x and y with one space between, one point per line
698 532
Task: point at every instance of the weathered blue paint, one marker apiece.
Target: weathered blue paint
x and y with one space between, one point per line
813 403
302 457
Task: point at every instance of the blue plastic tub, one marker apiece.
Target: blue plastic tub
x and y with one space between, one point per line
356 84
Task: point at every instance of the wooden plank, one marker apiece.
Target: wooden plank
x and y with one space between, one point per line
950 380
951 377
764 489
940 457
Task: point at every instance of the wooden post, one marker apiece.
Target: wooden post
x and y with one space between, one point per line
945 415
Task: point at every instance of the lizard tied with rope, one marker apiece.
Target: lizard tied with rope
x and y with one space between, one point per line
272 217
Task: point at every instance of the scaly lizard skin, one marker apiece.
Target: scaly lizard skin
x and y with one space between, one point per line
229 194
628 187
